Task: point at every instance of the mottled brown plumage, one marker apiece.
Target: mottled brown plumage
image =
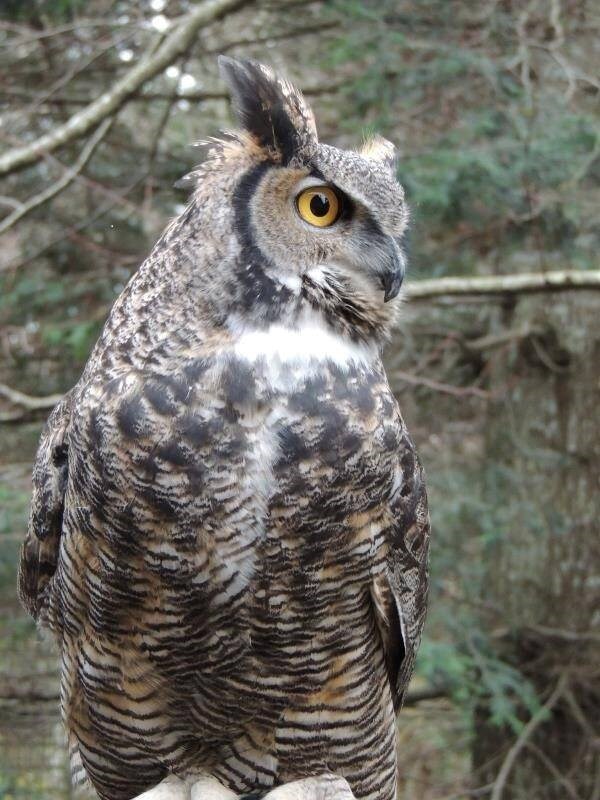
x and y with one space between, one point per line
229 530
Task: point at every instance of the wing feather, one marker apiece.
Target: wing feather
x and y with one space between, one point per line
400 593
39 553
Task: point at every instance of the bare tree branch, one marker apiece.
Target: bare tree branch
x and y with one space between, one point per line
68 177
117 198
552 769
174 45
27 401
524 736
444 388
525 283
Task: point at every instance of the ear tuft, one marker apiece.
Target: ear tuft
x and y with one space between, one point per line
379 149
272 110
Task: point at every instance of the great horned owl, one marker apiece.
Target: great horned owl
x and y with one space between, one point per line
229 530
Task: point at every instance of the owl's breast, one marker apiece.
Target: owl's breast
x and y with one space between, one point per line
328 428
334 436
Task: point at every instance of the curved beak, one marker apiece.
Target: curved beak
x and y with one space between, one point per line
393 270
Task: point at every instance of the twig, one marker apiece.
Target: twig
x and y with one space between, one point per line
499 339
105 209
580 718
525 283
38 100
63 182
174 45
444 388
576 637
524 736
552 769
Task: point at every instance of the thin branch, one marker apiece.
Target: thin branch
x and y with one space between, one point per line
525 283
65 79
191 95
581 719
10 201
68 177
575 637
524 736
422 695
500 339
27 401
174 45
105 209
295 33
444 388
553 770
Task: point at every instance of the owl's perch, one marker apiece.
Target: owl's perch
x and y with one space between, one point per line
321 787
524 283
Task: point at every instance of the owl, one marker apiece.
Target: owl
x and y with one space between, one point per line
229 531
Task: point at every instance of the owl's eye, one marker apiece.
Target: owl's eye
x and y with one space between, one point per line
319 205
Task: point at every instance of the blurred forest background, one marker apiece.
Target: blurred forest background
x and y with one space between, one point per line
494 108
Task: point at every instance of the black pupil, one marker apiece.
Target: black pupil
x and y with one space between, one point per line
319 205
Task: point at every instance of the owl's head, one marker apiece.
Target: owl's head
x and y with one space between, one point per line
317 229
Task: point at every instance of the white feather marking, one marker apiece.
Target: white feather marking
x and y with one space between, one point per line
308 343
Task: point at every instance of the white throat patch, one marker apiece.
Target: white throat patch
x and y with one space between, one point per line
311 342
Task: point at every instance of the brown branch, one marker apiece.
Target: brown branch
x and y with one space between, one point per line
68 177
174 45
524 283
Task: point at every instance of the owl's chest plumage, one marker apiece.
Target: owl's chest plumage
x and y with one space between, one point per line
230 515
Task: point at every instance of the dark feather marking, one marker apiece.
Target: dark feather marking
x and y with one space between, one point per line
260 106
257 287
160 399
239 383
130 416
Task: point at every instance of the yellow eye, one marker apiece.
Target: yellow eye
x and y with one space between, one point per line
319 205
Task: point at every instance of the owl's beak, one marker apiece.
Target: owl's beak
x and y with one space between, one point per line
393 272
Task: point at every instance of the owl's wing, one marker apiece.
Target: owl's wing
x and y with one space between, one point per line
39 552
400 591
